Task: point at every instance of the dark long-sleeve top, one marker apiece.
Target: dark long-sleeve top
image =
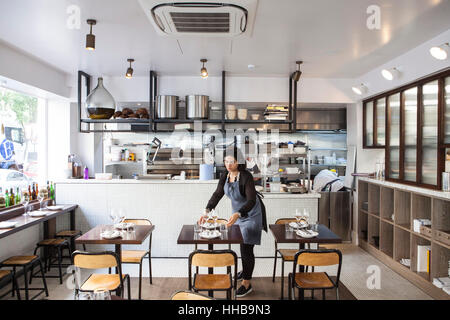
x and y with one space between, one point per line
246 188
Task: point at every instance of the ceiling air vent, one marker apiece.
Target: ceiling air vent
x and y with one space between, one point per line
206 18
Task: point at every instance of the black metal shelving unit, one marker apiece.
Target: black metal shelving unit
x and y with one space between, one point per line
151 125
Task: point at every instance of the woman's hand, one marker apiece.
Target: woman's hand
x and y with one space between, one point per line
202 220
233 219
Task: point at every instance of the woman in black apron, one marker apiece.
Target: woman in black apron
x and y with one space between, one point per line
248 211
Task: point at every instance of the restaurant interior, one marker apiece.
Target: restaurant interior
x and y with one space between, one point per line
247 150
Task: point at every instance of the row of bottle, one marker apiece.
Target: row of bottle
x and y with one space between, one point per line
11 198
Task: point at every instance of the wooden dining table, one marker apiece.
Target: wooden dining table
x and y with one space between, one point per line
282 236
138 236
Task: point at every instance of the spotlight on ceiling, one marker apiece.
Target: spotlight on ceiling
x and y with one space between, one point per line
440 52
129 73
296 75
360 90
390 74
90 38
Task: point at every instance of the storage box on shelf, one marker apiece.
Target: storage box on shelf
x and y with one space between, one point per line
399 244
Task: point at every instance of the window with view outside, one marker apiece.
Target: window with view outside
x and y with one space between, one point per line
20 136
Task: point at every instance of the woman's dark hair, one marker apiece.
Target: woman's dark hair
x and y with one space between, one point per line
236 153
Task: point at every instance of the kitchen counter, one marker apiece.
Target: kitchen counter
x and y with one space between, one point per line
169 204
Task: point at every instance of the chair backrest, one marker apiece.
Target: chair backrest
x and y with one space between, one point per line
95 260
318 258
189 295
285 220
139 222
213 259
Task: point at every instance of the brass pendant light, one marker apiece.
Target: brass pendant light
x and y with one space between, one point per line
90 38
129 73
203 71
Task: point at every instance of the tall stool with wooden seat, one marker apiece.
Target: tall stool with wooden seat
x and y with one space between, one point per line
315 280
285 254
70 235
189 295
50 247
137 256
26 263
101 260
6 277
214 282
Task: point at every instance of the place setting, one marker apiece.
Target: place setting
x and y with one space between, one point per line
301 226
210 228
119 228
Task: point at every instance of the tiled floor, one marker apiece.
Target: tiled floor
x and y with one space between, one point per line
169 276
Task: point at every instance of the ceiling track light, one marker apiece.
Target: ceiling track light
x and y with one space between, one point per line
390 74
129 73
203 71
90 38
360 90
296 75
440 52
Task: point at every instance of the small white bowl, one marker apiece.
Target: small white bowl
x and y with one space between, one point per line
254 116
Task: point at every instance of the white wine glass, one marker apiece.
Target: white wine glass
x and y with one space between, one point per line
113 215
121 215
41 198
25 202
102 294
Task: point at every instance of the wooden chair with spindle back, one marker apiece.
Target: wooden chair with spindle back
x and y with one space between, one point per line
214 282
315 280
101 260
189 295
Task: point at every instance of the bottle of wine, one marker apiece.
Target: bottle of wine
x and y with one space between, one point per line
48 191
7 199
18 198
33 192
52 191
12 200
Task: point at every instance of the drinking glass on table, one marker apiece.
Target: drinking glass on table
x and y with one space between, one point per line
102 294
298 217
25 202
113 215
306 215
121 215
214 217
41 198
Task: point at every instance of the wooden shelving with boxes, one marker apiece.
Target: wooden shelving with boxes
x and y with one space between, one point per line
386 213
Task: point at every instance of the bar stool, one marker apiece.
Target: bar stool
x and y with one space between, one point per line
27 263
5 278
55 245
70 235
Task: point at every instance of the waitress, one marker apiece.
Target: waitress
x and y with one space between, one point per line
248 211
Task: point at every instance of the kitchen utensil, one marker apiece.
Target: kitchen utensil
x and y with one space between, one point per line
197 107
167 107
110 235
103 176
255 116
210 234
306 234
55 208
7 224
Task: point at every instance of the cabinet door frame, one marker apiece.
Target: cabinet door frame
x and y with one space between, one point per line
374 126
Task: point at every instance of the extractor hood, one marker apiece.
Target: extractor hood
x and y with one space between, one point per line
205 18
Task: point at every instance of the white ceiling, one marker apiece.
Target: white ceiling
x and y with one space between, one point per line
330 36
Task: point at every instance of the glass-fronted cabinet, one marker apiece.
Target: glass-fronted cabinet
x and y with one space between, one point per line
374 123
394 136
447 110
410 107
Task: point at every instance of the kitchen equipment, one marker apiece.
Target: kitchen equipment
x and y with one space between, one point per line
255 116
242 114
291 170
206 171
197 107
445 181
103 176
100 104
167 107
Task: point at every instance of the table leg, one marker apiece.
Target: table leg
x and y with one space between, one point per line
211 270
301 269
119 254
72 227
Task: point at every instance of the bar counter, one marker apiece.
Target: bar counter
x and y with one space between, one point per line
169 204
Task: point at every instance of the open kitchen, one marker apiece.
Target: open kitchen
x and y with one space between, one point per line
178 150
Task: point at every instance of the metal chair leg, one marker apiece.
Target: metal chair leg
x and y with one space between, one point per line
26 282
337 293
14 276
15 287
129 288
59 264
323 294
282 279
289 287
43 278
140 280
150 268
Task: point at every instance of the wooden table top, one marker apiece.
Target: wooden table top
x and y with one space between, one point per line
187 236
281 236
24 222
138 236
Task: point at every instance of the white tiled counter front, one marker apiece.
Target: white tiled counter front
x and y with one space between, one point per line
169 205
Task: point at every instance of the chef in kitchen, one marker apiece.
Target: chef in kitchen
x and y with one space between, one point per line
248 211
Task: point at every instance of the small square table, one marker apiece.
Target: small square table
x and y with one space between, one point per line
138 236
281 236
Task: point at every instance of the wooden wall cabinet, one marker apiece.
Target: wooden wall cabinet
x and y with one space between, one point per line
374 124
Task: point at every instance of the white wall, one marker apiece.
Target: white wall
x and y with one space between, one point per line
23 68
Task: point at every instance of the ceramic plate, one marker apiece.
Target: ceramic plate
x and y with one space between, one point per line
295 225
210 234
53 208
7 224
304 234
208 225
38 213
123 225
111 235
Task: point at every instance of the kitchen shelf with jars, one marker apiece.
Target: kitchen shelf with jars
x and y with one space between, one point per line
166 113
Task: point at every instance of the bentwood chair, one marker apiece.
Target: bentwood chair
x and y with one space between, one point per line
214 282
101 260
285 254
315 280
189 295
